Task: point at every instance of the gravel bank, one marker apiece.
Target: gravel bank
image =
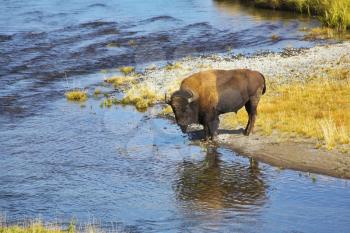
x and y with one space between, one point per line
281 67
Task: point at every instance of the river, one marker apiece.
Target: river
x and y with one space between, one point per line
134 172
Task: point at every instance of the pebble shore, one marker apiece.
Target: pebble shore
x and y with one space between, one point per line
285 66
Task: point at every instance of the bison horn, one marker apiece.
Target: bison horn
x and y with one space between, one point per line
194 97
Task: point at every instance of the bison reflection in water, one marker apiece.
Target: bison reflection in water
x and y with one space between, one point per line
205 95
216 184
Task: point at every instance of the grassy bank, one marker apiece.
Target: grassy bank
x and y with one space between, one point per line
317 108
36 227
332 13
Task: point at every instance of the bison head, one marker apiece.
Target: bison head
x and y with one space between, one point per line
185 108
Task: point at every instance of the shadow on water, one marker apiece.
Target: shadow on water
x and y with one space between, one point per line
216 184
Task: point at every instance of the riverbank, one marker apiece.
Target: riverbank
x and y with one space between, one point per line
335 13
303 120
37 226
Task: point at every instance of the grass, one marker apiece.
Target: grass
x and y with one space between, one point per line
36 227
332 13
174 66
141 97
317 108
108 102
126 70
118 81
76 95
166 111
97 91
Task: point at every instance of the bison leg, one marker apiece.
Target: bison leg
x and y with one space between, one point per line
251 107
213 128
211 125
206 131
247 108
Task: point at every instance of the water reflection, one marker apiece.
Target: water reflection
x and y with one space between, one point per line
235 8
217 184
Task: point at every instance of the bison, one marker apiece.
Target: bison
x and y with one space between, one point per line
203 96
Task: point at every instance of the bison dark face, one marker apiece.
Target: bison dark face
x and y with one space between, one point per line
184 108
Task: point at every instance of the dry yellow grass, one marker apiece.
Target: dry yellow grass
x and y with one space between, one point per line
141 97
318 108
32 228
97 91
117 81
126 70
108 102
166 111
173 66
38 227
76 95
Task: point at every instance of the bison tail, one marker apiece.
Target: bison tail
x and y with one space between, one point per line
264 88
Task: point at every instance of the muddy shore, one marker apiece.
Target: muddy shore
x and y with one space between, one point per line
293 153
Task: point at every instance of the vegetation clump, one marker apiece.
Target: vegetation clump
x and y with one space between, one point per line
97 91
118 81
109 102
126 70
32 228
141 97
174 66
166 111
76 95
274 37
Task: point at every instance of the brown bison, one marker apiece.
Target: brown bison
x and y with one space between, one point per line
205 95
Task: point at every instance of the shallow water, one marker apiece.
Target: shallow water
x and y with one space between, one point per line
72 162
130 171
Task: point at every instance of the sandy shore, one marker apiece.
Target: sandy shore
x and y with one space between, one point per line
298 154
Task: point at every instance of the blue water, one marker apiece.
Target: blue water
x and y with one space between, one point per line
129 171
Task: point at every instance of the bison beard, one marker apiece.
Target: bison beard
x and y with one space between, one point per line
203 96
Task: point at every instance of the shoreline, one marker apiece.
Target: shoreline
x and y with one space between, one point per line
299 156
295 153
